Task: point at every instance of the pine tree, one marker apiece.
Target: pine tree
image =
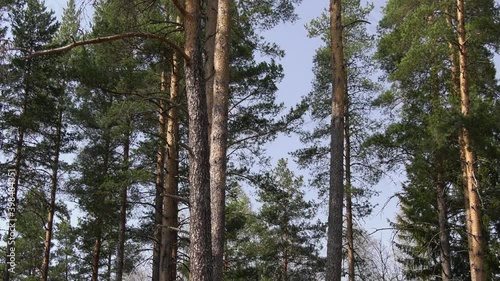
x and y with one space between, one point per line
26 93
424 68
287 236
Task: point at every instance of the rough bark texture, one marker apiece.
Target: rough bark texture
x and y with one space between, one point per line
122 225
335 204
473 203
160 181
52 200
210 30
218 147
348 198
200 248
168 270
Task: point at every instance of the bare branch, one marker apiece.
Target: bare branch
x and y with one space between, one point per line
111 38
178 198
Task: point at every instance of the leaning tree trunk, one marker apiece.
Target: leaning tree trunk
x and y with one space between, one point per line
473 203
200 248
334 243
168 261
52 200
218 146
122 225
348 199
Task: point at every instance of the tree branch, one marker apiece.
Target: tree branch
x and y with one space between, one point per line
178 198
356 22
108 39
180 8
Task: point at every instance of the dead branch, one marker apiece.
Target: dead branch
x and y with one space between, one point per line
115 37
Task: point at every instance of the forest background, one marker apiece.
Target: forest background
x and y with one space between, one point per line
297 64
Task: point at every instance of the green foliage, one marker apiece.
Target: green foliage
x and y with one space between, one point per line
288 233
415 53
360 92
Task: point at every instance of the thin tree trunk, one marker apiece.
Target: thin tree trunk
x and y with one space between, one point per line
96 255
473 206
168 260
210 31
52 200
99 222
122 227
334 243
12 210
453 58
159 184
348 199
108 272
284 268
200 248
444 232
218 146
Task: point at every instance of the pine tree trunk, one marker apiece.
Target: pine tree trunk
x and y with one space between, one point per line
15 186
200 248
108 272
218 147
334 243
444 232
473 203
348 199
210 31
96 255
52 200
168 270
453 58
284 268
159 185
122 227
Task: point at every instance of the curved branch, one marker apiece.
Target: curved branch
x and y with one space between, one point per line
356 22
112 38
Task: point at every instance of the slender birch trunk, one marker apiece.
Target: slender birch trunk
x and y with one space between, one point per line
334 243
473 203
